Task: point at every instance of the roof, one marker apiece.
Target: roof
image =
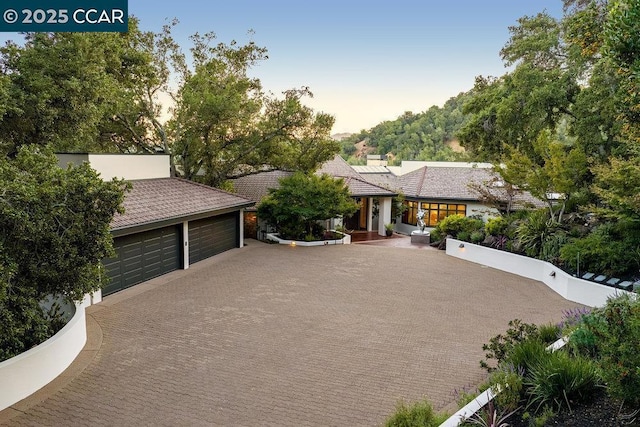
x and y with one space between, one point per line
256 186
359 187
452 184
171 199
370 169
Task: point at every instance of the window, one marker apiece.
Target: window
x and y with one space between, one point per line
434 212
409 215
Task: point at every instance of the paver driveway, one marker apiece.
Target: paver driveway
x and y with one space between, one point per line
281 336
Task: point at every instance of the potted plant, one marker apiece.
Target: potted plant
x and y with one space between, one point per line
389 229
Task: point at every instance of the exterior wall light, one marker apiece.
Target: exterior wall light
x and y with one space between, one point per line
461 245
552 274
293 243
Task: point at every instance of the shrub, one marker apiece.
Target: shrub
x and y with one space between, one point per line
534 231
455 224
464 236
618 336
549 333
559 378
496 226
500 345
611 249
476 237
508 380
420 414
527 353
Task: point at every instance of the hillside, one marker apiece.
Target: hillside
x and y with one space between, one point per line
429 135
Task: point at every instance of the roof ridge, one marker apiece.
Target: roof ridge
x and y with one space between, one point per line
421 181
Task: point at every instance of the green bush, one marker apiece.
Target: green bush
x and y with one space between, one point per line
509 382
549 333
496 226
420 414
527 353
559 379
464 236
533 232
476 237
455 224
500 345
617 338
611 249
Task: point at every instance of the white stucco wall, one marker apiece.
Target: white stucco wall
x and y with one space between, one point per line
131 166
26 373
571 288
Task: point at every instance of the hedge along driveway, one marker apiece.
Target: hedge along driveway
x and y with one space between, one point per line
278 335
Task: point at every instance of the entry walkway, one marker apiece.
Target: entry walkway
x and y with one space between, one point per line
274 335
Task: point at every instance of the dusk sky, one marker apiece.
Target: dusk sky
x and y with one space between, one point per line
365 61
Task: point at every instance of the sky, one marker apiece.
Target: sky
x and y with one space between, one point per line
364 61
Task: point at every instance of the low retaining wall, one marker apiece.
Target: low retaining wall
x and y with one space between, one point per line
346 240
26 373
571 288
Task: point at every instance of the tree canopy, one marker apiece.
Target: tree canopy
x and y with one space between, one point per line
55 232
104 92
302 200
422 136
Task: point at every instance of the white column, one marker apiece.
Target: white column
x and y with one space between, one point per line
241 228
384 216
185 244
369 214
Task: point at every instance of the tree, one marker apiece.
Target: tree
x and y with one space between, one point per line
302 200
224 125
56 231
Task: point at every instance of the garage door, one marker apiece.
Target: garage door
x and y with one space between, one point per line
211 236
143 256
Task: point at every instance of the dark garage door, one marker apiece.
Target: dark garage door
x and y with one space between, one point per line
211 236
143 256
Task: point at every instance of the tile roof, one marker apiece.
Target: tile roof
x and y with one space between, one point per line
255 187
161 199
451 183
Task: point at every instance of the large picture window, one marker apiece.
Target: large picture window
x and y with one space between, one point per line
434 212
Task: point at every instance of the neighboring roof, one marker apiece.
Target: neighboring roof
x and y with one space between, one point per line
169 199
338 167
370 169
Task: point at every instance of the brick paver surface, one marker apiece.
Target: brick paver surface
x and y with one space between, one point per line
272 335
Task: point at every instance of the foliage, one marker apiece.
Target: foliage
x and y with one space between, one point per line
559 379
507 384
523 355
419 414
476 237
422 136
496 226
617 339
301 201
501 345
534 231
548 333
56 231
611 248
455 224
489 416
103 92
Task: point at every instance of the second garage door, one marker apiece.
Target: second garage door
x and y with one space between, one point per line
211 236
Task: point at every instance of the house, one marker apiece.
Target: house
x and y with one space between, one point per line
374 201
168 223
442 189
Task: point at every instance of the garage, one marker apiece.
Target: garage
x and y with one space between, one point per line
143 256
211 236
